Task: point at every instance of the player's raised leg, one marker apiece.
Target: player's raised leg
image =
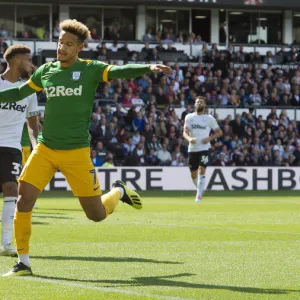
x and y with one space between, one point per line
97 208
82 177
35 176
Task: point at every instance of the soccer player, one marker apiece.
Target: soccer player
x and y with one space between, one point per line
197 129
12 118
70 85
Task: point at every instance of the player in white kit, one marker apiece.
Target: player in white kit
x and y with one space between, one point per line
12 119
197 129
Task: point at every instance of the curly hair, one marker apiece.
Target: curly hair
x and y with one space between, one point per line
75 27
14 50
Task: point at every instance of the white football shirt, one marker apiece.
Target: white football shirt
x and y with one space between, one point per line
200 127
13 116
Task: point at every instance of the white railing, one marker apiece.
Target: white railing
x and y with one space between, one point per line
192 50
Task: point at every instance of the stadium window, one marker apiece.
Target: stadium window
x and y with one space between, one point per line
255 27
119 24
91 16
270 25
222 26
7 20
201 24
239 26
296 28
33 21
151 20
167 22
183 22
172 23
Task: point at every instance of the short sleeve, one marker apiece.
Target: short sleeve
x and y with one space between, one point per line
35 81
101 70
213 123
33 109
187 122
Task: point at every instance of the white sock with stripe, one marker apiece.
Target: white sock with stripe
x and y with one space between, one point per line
8 212
201 185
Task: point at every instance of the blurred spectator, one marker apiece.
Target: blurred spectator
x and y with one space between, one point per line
4 32
221 161
56 30
115 46
148 37
164 156
94 36
153 55
146 48
168 39
109 163
170 48
138 122
140 153
160 48
151 158
96 160
101 152
108 113
178 162
125 48
3 45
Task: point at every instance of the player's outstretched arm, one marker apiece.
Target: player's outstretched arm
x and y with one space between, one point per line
136 70
16 93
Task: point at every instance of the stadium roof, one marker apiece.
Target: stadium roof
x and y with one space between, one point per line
211 3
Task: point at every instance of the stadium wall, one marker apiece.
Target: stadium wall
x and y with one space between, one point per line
178 178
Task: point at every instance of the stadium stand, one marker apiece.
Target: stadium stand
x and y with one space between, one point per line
140 122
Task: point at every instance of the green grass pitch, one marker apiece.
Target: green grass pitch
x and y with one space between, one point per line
234 245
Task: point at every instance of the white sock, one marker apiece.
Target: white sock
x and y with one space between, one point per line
121 191
8 212
195 180
201 184
24 258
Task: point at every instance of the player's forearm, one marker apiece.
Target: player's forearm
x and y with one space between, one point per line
216 135
187 136
33 137
128 71
16 93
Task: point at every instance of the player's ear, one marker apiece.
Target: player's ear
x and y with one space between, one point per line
80 47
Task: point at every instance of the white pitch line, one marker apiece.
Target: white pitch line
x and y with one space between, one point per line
213 228
102 289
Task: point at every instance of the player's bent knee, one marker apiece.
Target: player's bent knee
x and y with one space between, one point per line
96 218
28 194
194 174
10 189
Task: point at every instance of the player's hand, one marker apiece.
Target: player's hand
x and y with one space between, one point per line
161 68
205 141
193 140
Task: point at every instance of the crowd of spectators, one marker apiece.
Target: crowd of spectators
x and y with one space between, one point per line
145 130
152 137
167 36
